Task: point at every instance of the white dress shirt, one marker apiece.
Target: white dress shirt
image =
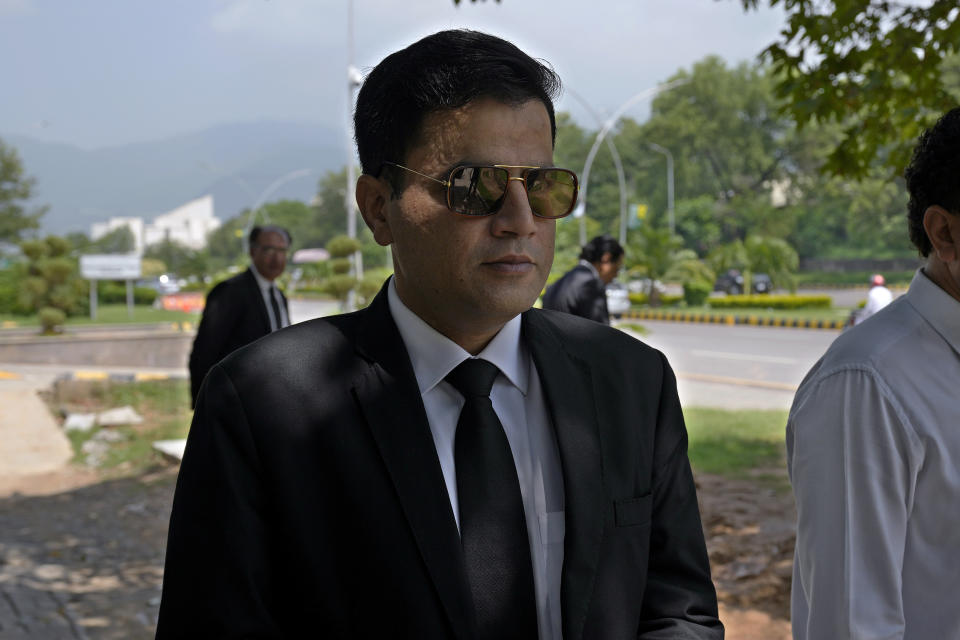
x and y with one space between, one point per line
267 289
519 403
873 448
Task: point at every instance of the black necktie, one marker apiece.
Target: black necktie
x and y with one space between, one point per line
276 307
493 529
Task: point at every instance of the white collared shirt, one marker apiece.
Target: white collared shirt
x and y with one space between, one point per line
266 289
873 449
519 403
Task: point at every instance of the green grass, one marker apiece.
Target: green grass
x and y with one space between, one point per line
163 404
112 314
735 442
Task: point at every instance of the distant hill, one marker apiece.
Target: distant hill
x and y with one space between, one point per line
148 178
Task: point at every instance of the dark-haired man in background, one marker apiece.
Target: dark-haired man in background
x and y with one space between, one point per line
582 290
446 463
243 308
873 442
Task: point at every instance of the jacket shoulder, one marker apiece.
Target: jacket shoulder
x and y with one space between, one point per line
590 340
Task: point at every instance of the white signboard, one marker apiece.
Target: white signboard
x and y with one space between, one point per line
110 267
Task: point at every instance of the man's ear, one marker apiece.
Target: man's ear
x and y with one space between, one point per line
943 229
373 198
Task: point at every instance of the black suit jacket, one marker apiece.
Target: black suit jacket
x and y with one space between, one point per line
310 501
234 315
580 292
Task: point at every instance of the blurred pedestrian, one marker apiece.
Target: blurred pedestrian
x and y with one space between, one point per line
243 308
878 297
873 442
582 290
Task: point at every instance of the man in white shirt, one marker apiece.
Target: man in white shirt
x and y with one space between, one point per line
243 308
873 442
448 462
877 298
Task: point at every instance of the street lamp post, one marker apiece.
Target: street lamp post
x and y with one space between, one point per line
669 155
266 193
353 81
581 210
616 162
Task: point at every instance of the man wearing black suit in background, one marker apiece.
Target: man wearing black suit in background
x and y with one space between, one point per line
448 462
243 308
582 290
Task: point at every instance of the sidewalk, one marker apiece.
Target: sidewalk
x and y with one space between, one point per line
31 441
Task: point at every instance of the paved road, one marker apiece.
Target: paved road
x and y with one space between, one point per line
739 366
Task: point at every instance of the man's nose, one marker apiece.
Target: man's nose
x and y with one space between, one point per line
515 216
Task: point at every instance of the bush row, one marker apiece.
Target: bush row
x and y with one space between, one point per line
665 300
771 302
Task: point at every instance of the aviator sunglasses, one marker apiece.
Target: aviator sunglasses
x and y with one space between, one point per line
479 190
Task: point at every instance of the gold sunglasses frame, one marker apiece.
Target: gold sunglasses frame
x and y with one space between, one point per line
521 178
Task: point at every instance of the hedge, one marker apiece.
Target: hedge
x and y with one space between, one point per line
665 299
771 302
116 293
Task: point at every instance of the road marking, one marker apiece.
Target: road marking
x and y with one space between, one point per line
742 382
743 356
90 375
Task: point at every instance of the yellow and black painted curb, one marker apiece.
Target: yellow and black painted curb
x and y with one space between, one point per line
728 319
131 376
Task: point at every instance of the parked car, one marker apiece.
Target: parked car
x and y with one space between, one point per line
731 283
618 299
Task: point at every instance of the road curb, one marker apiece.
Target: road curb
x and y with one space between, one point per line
123 376
727 319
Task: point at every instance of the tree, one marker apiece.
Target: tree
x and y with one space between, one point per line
875 66
120 240
651 254
51 285
178 258
15 190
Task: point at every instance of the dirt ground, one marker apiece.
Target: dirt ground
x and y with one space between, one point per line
81 556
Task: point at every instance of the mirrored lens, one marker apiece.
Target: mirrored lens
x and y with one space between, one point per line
477 191
552 192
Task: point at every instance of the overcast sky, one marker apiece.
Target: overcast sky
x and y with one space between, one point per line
98 73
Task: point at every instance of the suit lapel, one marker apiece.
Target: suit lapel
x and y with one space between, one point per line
256 299
390 401
575 422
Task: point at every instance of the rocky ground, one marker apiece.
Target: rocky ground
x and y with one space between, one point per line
81 556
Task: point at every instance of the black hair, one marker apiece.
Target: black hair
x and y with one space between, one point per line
268 228
593 251
441 72
933 176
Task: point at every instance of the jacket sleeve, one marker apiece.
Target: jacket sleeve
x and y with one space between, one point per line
219 320
595 302
680 601
218 577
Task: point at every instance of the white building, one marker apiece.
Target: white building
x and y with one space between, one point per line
188 225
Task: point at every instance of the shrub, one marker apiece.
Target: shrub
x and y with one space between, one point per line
666 300
696 292
51 319
772 302
116 293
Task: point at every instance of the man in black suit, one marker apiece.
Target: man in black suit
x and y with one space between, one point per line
447 463
582 290
243 308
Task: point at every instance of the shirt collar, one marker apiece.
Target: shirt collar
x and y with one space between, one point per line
937 307
262 282
433 355
589 265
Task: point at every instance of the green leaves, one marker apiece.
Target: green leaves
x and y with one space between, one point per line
881 70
